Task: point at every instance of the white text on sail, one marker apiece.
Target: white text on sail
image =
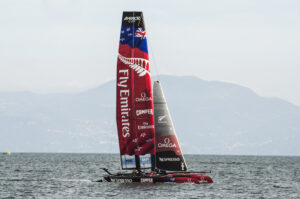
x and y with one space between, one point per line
124 95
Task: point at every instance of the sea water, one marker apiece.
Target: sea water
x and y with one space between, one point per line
33 175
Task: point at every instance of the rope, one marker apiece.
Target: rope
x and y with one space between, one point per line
154 60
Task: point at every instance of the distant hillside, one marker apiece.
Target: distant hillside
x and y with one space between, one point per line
210 117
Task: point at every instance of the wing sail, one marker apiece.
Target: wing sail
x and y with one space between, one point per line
135 115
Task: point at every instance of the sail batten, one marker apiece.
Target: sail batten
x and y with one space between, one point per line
135 118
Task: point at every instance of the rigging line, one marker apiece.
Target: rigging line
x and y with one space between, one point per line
154 60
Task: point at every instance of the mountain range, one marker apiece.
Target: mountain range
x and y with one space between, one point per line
210 117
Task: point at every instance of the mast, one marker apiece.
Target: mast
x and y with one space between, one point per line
135 115
137 157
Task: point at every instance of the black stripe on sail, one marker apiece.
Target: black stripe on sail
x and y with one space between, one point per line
168 160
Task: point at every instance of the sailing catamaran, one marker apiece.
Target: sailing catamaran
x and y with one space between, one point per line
146 133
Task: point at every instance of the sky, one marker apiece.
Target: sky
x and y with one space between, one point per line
51 46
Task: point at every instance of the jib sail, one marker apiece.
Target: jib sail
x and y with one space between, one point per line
135 115
168 154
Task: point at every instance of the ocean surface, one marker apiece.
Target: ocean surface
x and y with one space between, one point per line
34 175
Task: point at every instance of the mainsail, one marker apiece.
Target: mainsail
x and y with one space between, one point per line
168 153
135 115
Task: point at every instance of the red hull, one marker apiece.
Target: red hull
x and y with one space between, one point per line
189 178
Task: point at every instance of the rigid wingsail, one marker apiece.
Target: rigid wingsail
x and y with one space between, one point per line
135 115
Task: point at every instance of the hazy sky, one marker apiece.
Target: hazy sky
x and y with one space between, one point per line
71 45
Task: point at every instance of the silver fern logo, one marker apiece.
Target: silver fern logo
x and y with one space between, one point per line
139 65
161 119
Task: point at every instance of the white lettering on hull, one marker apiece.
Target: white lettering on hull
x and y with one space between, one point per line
147 180
125 180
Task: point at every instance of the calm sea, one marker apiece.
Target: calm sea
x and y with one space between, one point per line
33 175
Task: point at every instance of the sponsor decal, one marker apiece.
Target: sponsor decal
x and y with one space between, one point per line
161 119
139 65
143 98
125 180
124 95
167 144
177 159
132 19
143 112
182 166
145 126
146 179
140 33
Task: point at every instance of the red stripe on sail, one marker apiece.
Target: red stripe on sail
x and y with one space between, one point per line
167 143
135 119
